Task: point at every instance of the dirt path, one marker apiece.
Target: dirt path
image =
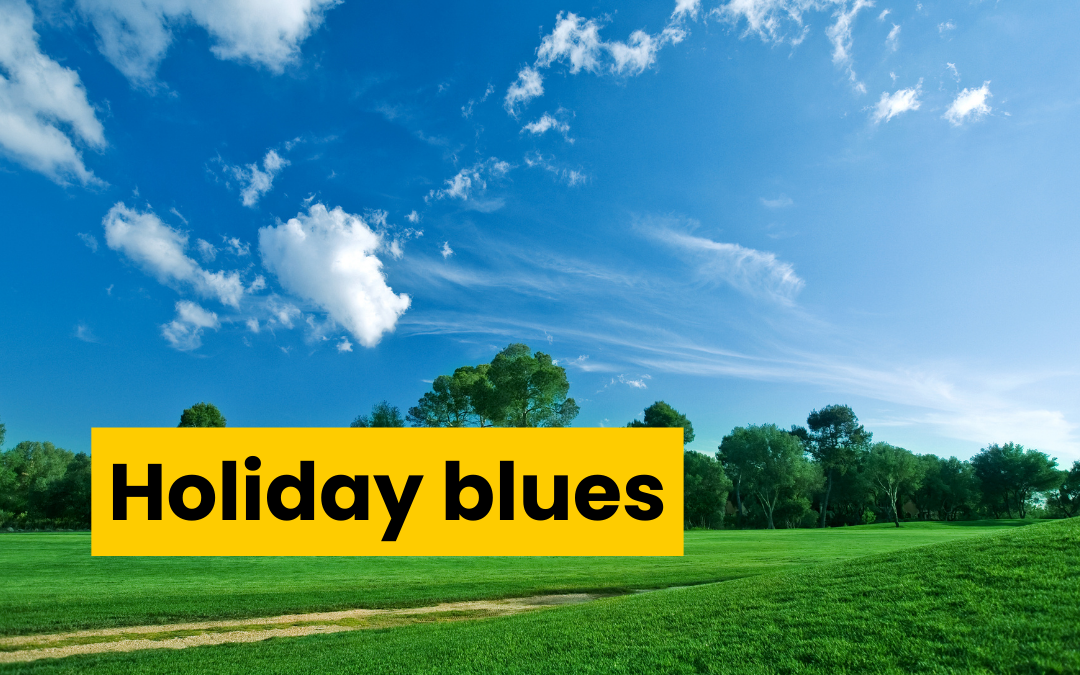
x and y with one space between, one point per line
182 635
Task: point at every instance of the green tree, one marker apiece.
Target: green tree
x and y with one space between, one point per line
895 471
27 474
836 441
1010 476
202 415
705 490
737 455
778 472
660 414
948 487
457 400
68 502
1068 495
3 434
527 390
382 415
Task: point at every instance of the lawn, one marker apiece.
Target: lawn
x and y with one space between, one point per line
1008 602
51 583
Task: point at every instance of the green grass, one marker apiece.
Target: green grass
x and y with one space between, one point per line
50 583
1007 602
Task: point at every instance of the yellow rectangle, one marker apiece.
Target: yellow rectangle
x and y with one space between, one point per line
640 470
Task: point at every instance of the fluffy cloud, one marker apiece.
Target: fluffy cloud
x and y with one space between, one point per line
185 331
328 258
256 182
159 251
891 105
38 97
969 104
528 85
135 36
446 250
756 273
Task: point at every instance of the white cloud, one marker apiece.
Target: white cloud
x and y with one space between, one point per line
43 106
546 122
184 332
884 13
686 8
446 250
954 71
467 109
945 27
756 273
969 104
237 247
891 105
207 250
781 202
135 35
839 35
328 258
90 241
528 85
571 177
83 332
255 182
344 345
892 42
636 54
767 18
413 217
159 250
573 40
466 181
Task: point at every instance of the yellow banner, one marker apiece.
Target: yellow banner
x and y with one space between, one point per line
371 491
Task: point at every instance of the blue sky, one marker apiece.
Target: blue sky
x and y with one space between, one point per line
748 209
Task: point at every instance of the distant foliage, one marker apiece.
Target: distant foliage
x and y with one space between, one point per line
43 486
660 414
382 415
202 415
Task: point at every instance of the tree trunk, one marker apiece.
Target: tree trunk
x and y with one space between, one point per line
895 511
825 501
738 502
1008 507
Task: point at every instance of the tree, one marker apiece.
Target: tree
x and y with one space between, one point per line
1068 496
768 463
382 415
68 503
27 474
456 400
836 441
3 434
202 415
660 414
528 390
948 486
1010 476
705 490
894 471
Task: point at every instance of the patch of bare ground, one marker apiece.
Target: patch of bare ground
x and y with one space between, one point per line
183 635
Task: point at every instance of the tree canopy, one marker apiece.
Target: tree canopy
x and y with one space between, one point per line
517 389
660 414
836 442
382 415
894 471
202 415
1011 475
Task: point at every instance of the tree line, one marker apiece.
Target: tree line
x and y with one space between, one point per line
827 473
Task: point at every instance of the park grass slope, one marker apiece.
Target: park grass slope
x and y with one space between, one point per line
1001 603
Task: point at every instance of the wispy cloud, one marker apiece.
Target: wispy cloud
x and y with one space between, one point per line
470 180
546 123
781 202
755 273
256 182
839 35
892 42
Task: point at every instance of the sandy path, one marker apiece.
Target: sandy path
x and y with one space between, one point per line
178 635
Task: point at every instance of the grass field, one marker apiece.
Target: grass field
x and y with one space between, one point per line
51 584
1008 602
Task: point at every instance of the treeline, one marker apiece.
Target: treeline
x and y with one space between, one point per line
831 473
43 487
